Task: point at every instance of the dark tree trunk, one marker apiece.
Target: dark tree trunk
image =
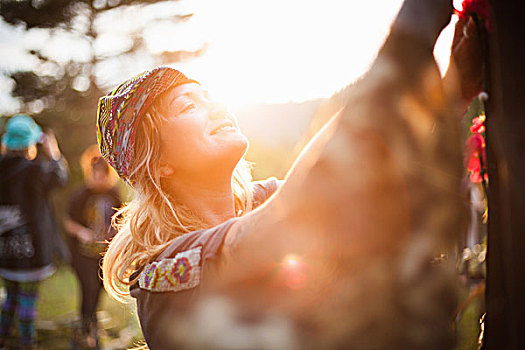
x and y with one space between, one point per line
505 293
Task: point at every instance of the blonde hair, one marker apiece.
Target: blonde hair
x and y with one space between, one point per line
148 224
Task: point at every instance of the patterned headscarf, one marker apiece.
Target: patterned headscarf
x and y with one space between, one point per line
120 112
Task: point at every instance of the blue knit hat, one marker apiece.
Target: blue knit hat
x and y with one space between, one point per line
21 131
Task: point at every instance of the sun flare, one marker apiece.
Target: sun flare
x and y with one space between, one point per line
279 51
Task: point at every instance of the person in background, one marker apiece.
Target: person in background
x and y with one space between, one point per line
88 221
29 237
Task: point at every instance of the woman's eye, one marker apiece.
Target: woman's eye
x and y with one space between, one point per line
188 106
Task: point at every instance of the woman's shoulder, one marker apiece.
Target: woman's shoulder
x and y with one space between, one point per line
209 239
263 189
271 183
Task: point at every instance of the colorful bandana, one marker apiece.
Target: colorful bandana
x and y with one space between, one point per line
120 111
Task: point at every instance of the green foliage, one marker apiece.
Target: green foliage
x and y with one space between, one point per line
270 161
472 260
54 13
53 303
468 324
41 14
58 84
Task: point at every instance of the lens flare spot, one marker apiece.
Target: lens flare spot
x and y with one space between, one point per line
291 260
294 272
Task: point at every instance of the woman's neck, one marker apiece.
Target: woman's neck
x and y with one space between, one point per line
213 202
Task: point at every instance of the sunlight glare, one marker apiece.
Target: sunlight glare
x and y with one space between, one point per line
291 260
280 51
283 51
294 272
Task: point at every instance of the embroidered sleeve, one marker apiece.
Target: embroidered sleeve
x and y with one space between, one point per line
173 274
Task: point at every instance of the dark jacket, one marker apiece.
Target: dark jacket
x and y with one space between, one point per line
29 236
94 210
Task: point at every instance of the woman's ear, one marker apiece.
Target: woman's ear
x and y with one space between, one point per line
166 170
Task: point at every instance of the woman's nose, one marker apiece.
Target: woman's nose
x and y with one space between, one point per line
218 111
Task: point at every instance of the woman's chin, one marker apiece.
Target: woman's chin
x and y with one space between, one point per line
240 148
226 148
237 149
234 140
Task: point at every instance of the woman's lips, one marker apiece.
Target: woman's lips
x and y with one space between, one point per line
223 127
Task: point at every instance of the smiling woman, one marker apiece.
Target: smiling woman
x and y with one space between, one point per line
201 138
183 153
191 227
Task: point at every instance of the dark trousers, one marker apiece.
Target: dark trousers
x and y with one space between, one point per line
89 275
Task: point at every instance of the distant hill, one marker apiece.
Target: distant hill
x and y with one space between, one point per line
277 124
276 132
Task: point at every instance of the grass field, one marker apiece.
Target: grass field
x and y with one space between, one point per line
58 320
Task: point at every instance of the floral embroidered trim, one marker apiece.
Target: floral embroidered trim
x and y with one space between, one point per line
173 274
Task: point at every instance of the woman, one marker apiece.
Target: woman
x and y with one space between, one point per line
88 221
29 237
182 152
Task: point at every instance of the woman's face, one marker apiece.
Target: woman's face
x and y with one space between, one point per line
99 180
197 134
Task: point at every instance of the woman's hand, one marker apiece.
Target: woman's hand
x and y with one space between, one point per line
85 235
50 145
467 58
464 78
81 232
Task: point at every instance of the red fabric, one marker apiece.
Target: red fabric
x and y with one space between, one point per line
477 125
479 7
475 150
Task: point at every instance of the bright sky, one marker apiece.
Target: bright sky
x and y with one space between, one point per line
293 50
277 51
259 51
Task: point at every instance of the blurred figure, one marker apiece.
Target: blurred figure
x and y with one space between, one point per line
89 223
29 238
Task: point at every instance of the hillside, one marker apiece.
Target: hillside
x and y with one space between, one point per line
275 131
